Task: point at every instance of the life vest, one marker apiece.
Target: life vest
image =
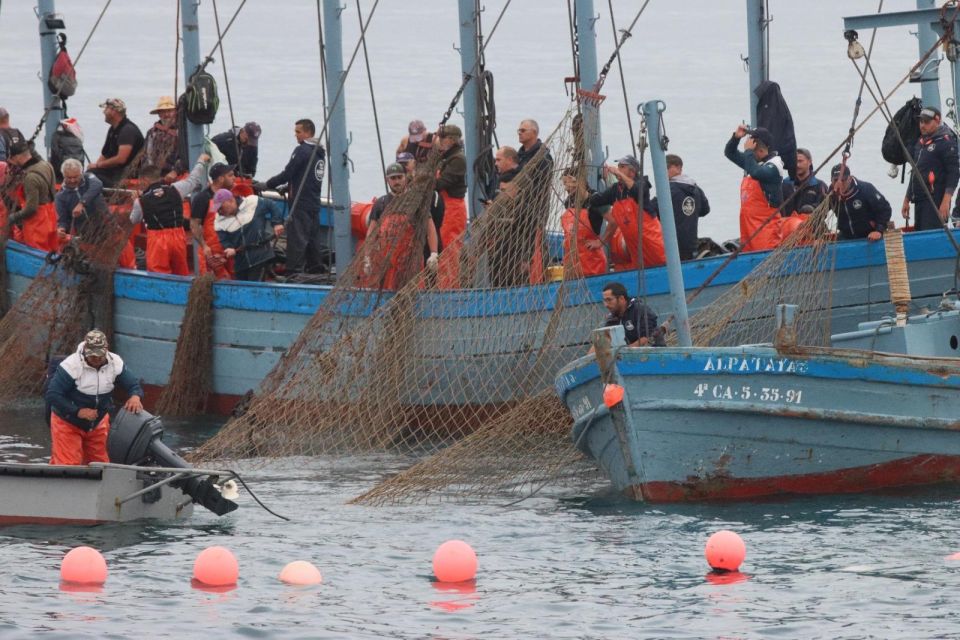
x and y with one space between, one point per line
624 213
585 261
162 207
754 212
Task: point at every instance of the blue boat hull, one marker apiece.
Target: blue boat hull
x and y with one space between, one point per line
745 422
254 323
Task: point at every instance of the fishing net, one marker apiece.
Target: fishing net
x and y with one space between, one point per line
191 377
71 293
403 359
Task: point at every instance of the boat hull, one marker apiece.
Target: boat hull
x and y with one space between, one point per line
68 495
737 423
254 323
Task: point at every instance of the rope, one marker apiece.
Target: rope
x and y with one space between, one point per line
176 54
626 33
226 84
373 98
323 82
209 58
641 272
92 31
623 81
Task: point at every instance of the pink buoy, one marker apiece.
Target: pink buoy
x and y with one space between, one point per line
300 573
954 556
725 551
454 561
84 565
216 567
612 395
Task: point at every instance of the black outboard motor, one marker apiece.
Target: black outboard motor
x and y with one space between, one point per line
135 438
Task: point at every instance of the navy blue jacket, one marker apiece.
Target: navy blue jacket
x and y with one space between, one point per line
936 154
292 175
90 192
246 163
689 205
639 321
862 211
76 385
250 231
809 193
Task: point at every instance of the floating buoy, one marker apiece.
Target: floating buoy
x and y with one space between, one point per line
953 556
300 573
612 395
216 567
725 551
454 561
83 565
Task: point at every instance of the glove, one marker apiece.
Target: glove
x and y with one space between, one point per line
433 261
259 187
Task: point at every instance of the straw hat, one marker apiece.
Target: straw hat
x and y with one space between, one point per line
165 103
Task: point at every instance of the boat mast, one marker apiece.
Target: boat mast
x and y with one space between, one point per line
190 34
651 112
756 51
929 77
587 63
337 160
468 65
50 22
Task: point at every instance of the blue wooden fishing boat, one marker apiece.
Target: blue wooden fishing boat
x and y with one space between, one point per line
745 422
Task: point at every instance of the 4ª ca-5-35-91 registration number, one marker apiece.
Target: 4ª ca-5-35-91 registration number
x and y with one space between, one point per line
756 394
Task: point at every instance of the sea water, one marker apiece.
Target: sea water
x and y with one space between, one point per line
576 562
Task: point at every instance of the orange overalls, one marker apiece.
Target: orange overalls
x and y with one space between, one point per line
586 261
40 229
451 239
393 257
75 446
754 211
624 212
212 240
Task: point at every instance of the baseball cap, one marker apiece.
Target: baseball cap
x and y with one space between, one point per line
450 131
221 196
630 161
405 156
17 148
253 133
837 168
95 344
929 113
114 103
219 169
762 135
417 130
395 169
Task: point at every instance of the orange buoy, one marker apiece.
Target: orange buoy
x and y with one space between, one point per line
84 565
455 561
725 551
612 395
300 573
216 567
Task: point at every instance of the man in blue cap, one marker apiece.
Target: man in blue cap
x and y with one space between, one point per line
761 190
938 171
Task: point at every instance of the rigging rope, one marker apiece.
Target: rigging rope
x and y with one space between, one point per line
373 98
623 81
92 31
226 84
625 34
216 46
323 87
176 53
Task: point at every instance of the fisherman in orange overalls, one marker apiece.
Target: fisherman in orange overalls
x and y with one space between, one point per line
761 190
583 222
37 214
625 214
452 185
160 206
201 223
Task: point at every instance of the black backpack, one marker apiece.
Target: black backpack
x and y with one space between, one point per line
201 98
64 145
907 121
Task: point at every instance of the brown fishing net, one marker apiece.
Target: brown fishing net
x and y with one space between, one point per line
191 377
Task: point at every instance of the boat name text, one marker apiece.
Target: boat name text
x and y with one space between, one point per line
755 364
756 394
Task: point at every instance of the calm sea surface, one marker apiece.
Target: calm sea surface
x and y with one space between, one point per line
570 564
580 563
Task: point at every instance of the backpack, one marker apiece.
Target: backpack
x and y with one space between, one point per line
62 79
65 144
907 121
201 98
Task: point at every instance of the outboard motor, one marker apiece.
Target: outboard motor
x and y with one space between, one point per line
136 439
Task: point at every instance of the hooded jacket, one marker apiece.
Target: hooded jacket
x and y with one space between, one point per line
76 385
773 114
250 231
689 205
938 165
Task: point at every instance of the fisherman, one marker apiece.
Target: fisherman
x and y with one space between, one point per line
810 190
583 222
452 185
639 321
417 142
80 394
247 228
938 167
622 198
202 222
761 190
8 135
303 177
530 143
124 141
160 206
160 144
689 205
388 258
406 160
245 138
80 201
862 211
37 214
507 161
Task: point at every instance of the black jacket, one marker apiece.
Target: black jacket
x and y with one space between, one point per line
937 155
809 194
689 205
862 211
293 176
773 114
639 321
227 143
